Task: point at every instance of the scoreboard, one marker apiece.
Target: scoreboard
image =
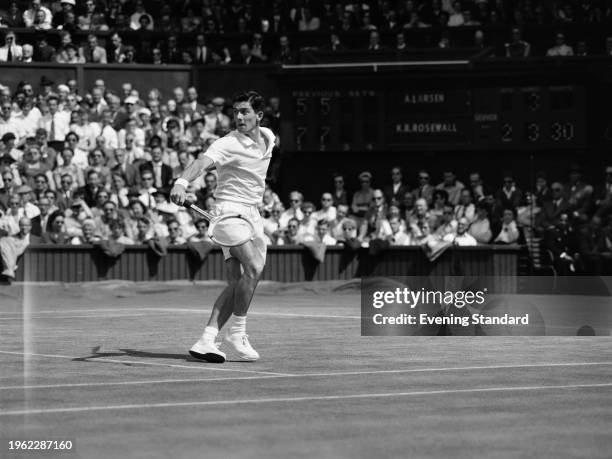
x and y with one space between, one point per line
371 117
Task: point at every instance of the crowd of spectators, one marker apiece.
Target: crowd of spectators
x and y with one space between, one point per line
94 31
98 167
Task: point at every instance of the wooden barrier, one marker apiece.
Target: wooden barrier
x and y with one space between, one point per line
57 263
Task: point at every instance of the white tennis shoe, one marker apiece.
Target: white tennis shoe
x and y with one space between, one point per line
242 347
207 351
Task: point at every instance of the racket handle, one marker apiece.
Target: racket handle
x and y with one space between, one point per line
202 212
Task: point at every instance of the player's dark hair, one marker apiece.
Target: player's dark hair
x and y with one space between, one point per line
254 98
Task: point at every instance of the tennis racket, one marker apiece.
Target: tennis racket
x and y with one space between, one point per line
226 230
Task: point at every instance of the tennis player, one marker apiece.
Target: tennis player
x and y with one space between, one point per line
241 159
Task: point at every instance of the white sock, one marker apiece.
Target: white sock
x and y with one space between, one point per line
210 333
238 325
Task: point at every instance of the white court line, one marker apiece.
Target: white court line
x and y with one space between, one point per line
140 362
197 311
81 409
102 316
303 375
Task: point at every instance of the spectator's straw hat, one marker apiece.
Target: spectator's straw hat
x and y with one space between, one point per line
365 175
218 101
63 88
144 111
130 100
23 189
70 2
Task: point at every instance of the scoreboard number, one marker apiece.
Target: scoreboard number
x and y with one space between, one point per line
506 132
325 104
300 106
300 132
532 132
562 132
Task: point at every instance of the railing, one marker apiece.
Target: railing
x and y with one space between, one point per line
59 263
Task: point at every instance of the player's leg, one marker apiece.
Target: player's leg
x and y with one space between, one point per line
252 258
205 348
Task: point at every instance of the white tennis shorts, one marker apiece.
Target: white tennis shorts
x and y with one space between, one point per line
249 212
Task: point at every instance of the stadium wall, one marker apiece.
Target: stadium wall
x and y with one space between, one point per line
68 263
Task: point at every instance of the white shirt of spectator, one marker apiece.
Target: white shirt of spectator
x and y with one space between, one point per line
399 238
462 240
61 124
29 16
329 214
16 51
12 125
28 123
111 140
241 167
87 134
288 215
139 138
508 234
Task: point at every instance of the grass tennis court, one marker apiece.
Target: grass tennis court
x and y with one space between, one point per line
106 365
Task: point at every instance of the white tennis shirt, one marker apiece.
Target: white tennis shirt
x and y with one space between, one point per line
241 167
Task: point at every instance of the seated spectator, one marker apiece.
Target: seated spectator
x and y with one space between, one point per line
336 226
579 194
117 233
407 206
340 195
462 238
295 209
9 220
452 186
54 231
271 225
290 236
395 191
97 161
322 234
202 232
527 215
561 241
447 223
349 233
32 165
509 233
11 51
12 247
465 208
595 248
362 198
327 211
480 228
509 195
440 201
286 55
308 224
552 210
424 190
398 237
174 233
456 16
560 48
375 224
89 236
162 173
37 15
374 44
517 47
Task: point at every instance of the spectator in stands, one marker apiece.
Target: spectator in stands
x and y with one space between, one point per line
527 215
217 122
30 15
13 18
9 220
308 223
552 210
465 208
32 165
291 237
602 194
13 246
174 233
340 195
68 168
328 210
394 192
286 55
203 55
517 47
334 44
560 48
8 124
89 235
374 42
65 191
246 55
561 241
117 233
307 22
446 224
56 122
43 52
456 16
452 186
509 195
375 224
92 52
509 233
322 234
362 198
11 51
480 228
398 237
462 238
81 157
272 227
172 51
91 188
424 189
579 194
54 231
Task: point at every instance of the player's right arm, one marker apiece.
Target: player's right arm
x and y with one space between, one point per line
191 172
